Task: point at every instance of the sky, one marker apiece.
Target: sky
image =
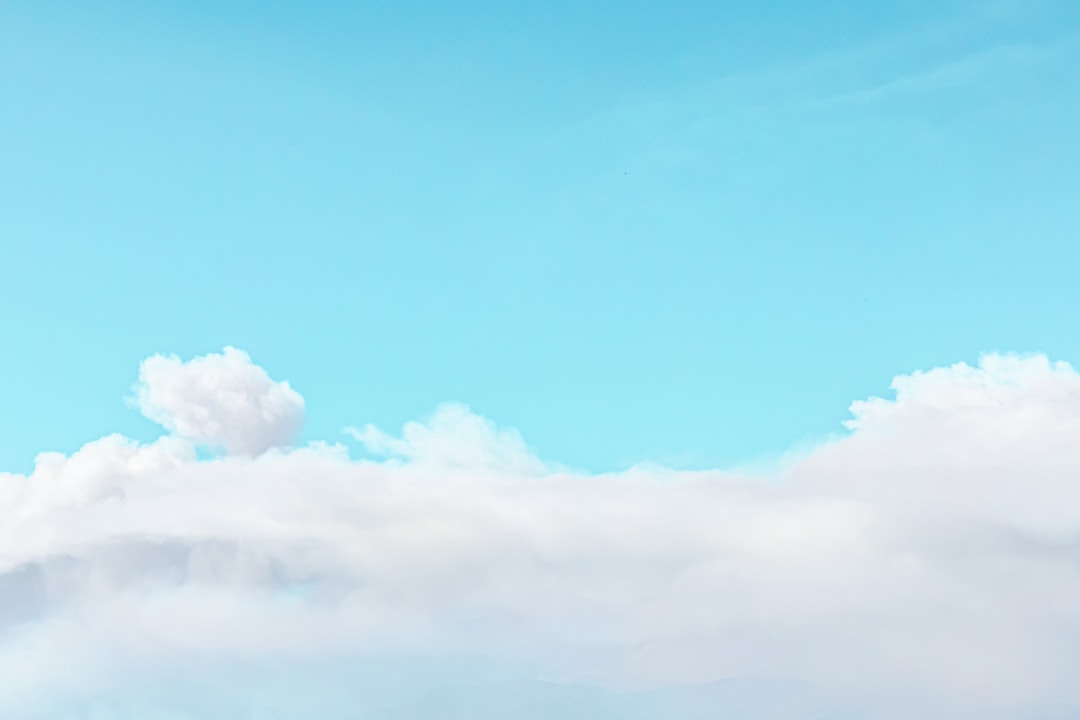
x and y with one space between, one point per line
685 232
672 358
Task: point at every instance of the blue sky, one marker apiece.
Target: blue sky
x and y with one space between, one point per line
653 246
685 232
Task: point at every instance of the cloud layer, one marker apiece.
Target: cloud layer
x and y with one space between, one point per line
923 565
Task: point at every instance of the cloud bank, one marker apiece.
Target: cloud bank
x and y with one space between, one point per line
925 564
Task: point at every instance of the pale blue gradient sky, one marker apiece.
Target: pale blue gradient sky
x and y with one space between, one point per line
686 232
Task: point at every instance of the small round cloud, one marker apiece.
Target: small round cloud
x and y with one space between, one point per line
221 400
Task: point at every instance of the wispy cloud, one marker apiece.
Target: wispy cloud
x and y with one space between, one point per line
948 75
740 107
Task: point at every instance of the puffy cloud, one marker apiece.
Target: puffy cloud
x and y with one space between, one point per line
220 400
924 565
454 437
996 441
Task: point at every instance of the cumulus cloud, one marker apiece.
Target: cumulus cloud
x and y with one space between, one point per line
454 437
220 400
924 565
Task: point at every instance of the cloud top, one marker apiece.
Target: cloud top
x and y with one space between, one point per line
223 401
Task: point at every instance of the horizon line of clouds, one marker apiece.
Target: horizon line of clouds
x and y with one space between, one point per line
924 563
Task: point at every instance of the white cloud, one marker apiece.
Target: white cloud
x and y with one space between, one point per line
454 437
221 400
923 566
997 441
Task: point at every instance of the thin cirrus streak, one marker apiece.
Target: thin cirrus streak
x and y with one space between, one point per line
924 564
